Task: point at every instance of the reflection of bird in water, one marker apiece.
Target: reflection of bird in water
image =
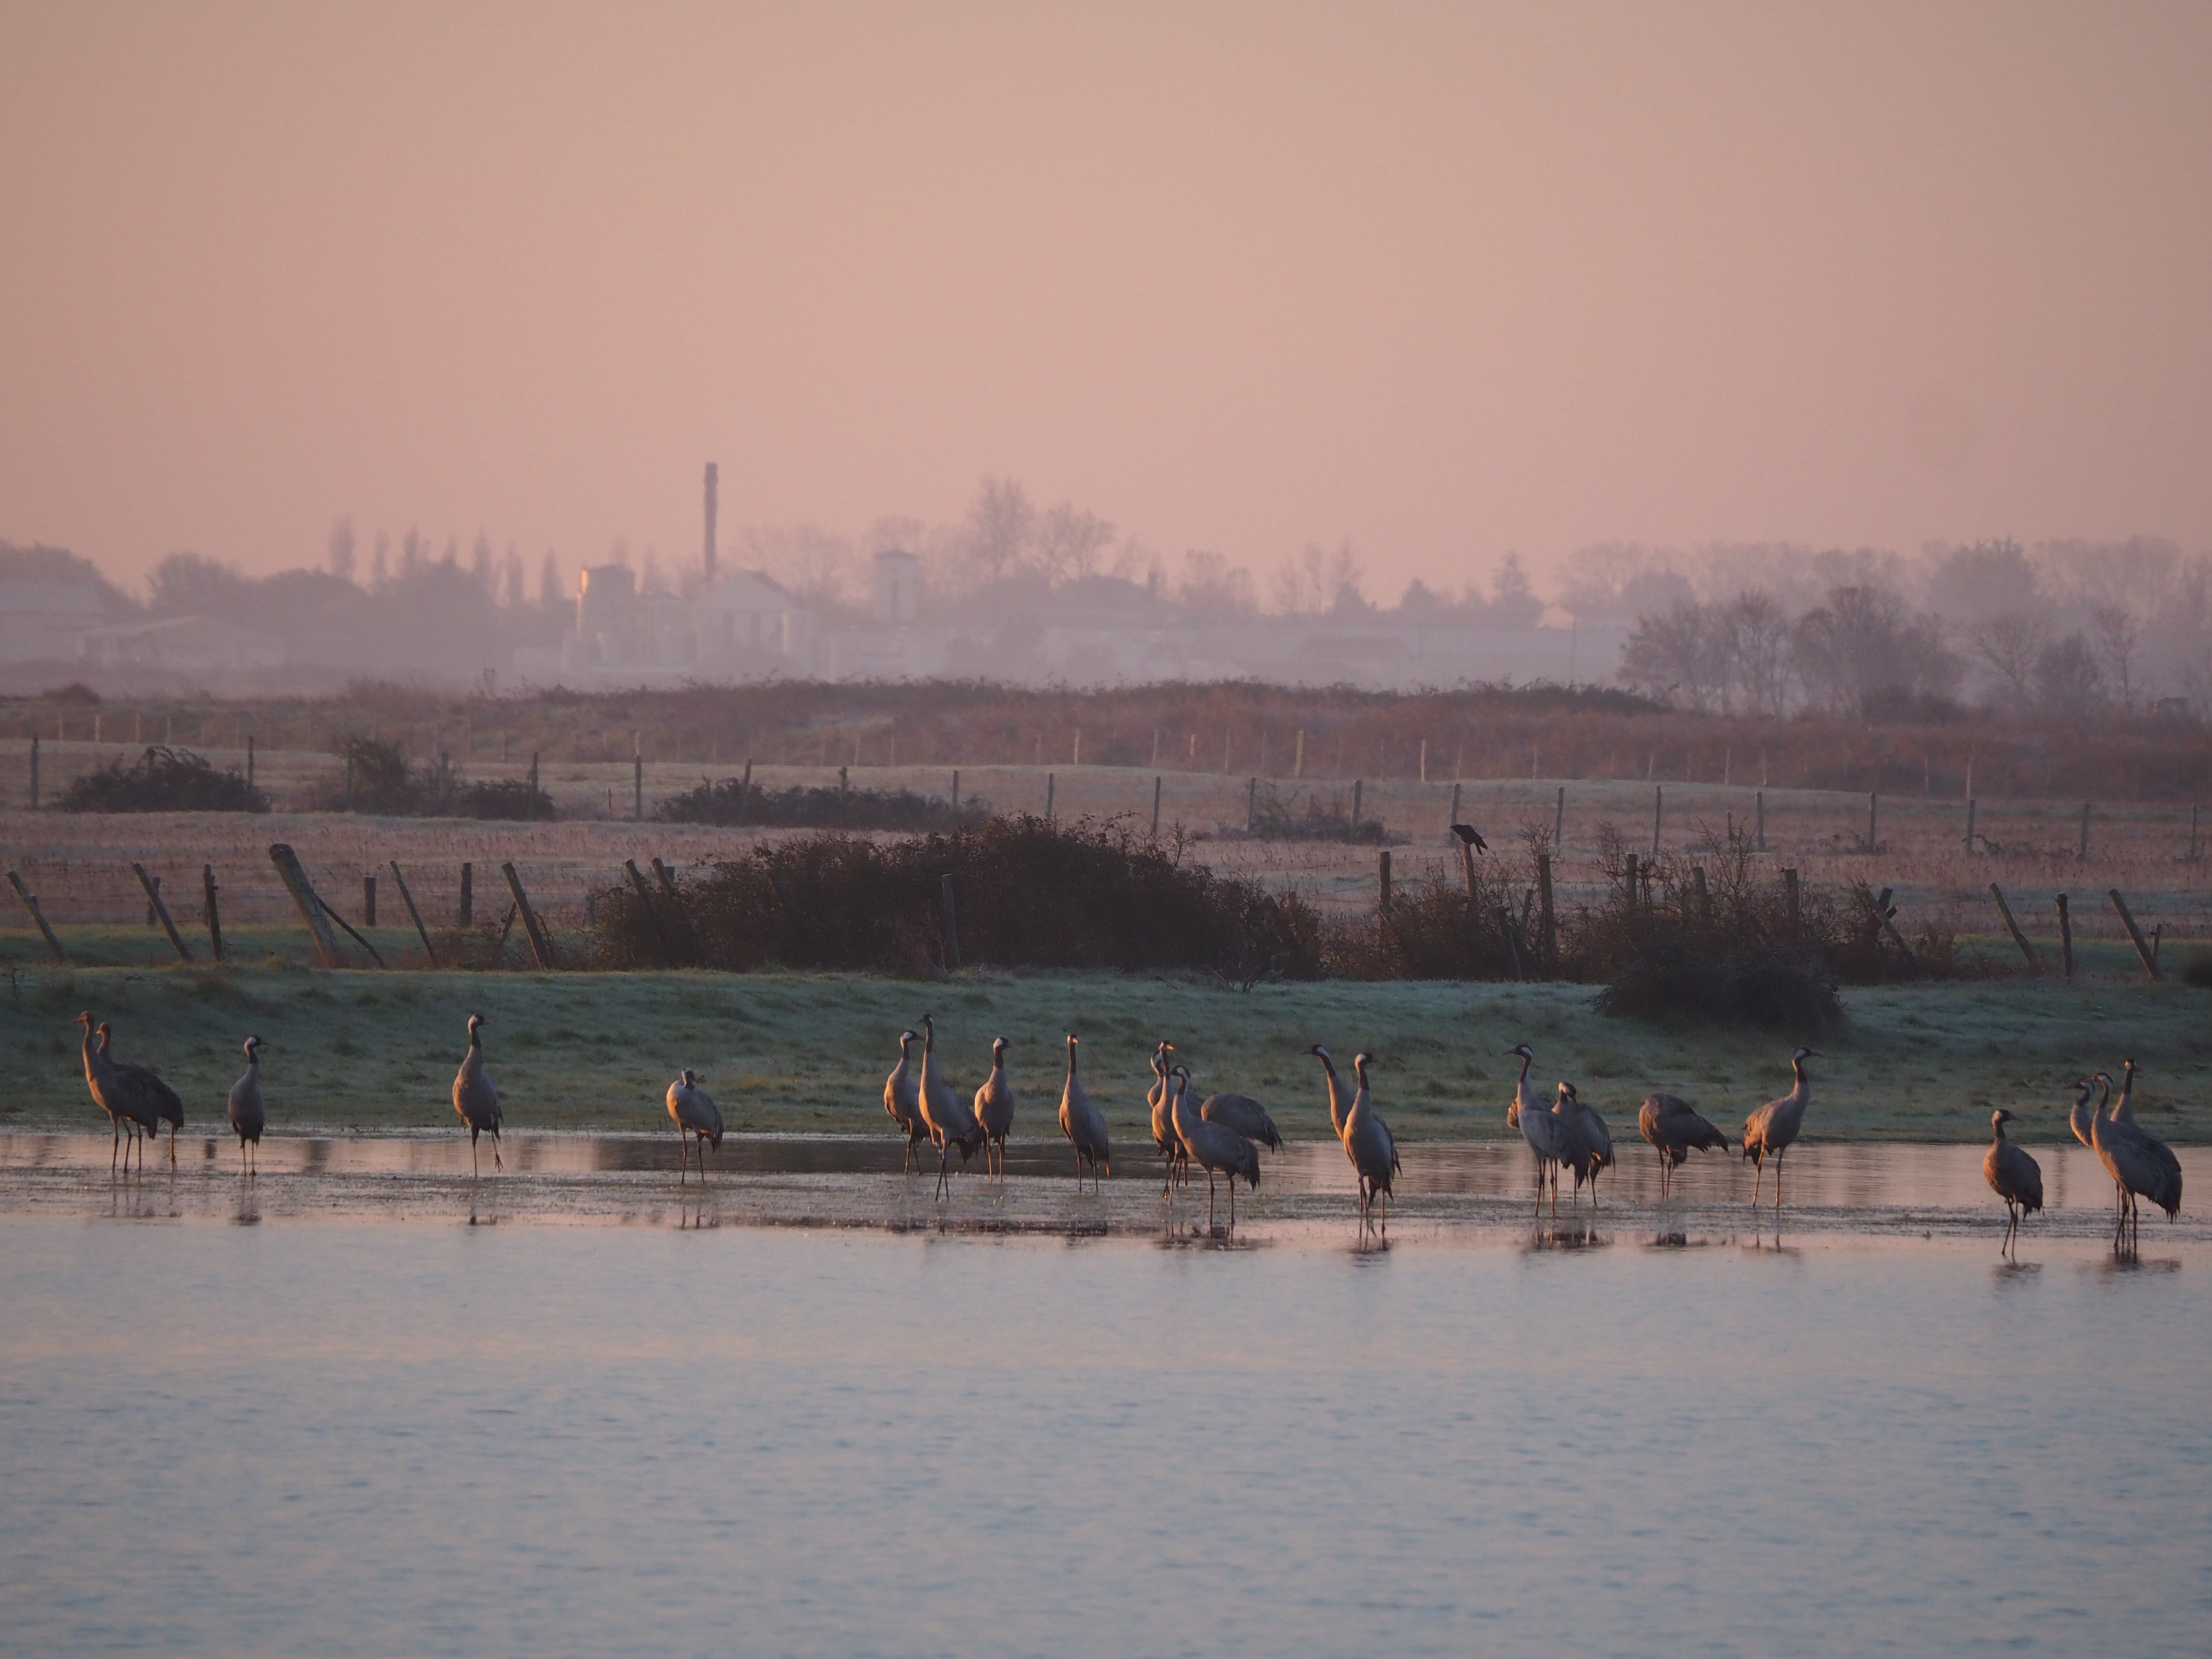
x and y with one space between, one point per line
129 1108
2141 1165
249 1112
1771 1130
476 1098
1084 1125
951 1123
168 1107
1594 1152
698 1120
1368 1144
994 1107
1675 1131
902 1098
1214 1147
2013 1176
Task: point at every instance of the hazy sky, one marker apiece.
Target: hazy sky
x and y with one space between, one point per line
1441 280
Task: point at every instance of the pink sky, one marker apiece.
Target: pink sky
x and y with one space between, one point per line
1443 281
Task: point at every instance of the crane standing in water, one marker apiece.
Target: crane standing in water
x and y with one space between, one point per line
698 1122
2013 1176
1771 1130
249 1112
475 1097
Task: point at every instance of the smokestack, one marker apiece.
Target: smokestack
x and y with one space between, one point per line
711 481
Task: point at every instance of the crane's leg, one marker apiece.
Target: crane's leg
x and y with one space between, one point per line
172 1146
1209 1197
1777 1179
474 1172
1758 1168
497 1161
114 1144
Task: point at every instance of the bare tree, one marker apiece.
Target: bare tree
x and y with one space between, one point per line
1676 656
1863 646
341 548
480 561
1754 639
1318 580
1211 586
510 578
2068 683
1001 530
2119 640
2006 646
1071 543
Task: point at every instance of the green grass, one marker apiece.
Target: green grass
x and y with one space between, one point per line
375 1051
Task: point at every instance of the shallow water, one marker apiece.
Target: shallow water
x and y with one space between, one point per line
358 1437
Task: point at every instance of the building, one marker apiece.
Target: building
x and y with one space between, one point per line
191 644
46 620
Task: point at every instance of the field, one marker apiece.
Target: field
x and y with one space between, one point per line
367 1051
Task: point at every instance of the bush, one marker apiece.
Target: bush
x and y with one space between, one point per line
509 798
1680 977
2197 970
379 779
1274 818
735 801
165 780
1026 893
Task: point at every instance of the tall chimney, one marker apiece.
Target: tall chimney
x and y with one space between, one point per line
710 519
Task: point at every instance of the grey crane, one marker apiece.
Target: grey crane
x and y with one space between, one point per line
902 1098
994 1107
1159 1098
1368 1144
951 1123
1675 1130
129 1104
2124 1108
249 1112
1246 1115
1084 1125
2013 1176
168 1107
698 1122
1772 1129
2141 1165
477 1098
1524 1097
1594 1140
1553 1138
1339 1103
1214 1147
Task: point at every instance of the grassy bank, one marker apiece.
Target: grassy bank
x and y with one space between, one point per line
809 1052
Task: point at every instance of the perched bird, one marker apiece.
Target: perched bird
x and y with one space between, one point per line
1246 1115
1594 1140
476 1098
1468 833
1084 1125
1214 1147
249 1112
1367 1144
994 1107
1770 1130
168 1107
1675 1131
2013 1176
951 1123
1339 1103
698 1122
903 1097
129 1105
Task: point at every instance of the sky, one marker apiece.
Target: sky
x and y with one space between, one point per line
1440 281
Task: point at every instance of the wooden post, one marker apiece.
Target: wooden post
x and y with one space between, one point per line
1050 785
1873 822
651 915
2135 934
1970 826
1156 783
540 946
2065 938
1559 820
368 901
1251 804
956 791
1298 756
249 761
1790 908
31 903
1454 815
2013 928
153 921
1759 836
636 786
1359 787
1512 942
1704 895
414 915
1658 811
468 894
375 956
745 785
1425 760
2082 852
35 771
161 911
952 920
214 917
1548 926
1885 913
327 952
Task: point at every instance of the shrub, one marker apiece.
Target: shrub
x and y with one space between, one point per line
165 780
379 779
1025 892
735 801
1682 977
1274 818
507 797
2197 970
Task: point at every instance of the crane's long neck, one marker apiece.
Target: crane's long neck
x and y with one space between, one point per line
94 1057
1071 1062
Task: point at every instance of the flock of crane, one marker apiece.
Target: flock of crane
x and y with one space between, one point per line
1222 1134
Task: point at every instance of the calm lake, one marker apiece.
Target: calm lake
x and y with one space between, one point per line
397 1432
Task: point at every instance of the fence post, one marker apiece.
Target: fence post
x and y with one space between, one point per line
1156 783
214 919
1425 760
651 915
288 871
368 901
1886 913
249 760
1705 897
745 785
2013 928
956 791
1050 785
1559 820
1658 811
35 771
636 783
2065 938
1970 826
1873 822
1359 788
1251 804
952 921
534 774
2135 933
1453 818
1548 927
31 903
414 915
1299 757
153 897
468 894
2082 852
540 946
1758 837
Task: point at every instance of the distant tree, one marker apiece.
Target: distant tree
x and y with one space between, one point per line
1072 543
2006 647
510 578
1754 637
411 553
1973 584
192 584
1677 656
1864 647
341 548
480 561
1001 530
2119 640
40 563
2068 683
1320 580
380 561
548 580
1211 586
1513 603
